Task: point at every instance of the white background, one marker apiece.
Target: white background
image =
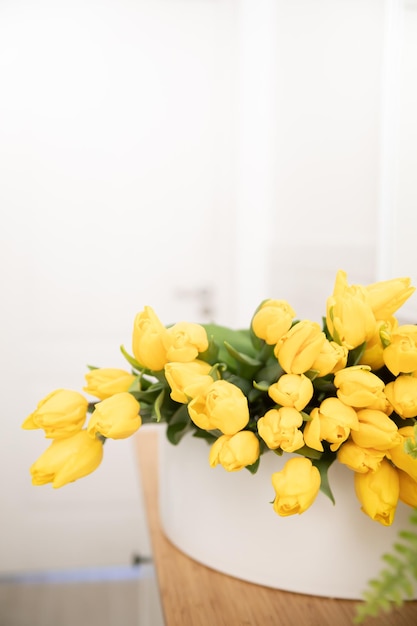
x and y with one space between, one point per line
152 149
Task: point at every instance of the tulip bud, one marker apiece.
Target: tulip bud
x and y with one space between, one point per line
400 457
221 406
279 429
373 355
148 340
187 380
272 320
293 390
234 452
357 386
116 417
331 358
67 460
297 350
349 316
408 489
105 382
375 430
359 459
184 341
378 492
400 356
60 414
387 296
402 394
331 422
296 486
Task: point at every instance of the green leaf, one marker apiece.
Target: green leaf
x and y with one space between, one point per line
158 404
310 453
178 425
323 465
241 357
254 467
130 359
355 355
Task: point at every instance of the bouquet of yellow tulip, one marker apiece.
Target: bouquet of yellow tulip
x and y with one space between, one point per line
344 391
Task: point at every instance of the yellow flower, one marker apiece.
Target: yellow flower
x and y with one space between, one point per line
331 358
387 296
187 380
60 414
67 460
297 350
106 381
400 356
408 489
376 430
222 406
378 492
279 428
296 486
349 316
184 341
373 355
402 394
234 452
333 422
148 344
116 417
294 390
357 386
359 459
400 457
272 320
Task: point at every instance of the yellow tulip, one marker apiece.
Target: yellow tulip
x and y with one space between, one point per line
333 422
60 414
357 386
378 492
116 417
408 489
187 380
184 341
106 381
297 350
349 316
293 390
331 358
234 452
400 356
373 355
400 457
296 486
222 406
148 340
387 296
376 430
402 394
279 428
359 459
67 460
272 320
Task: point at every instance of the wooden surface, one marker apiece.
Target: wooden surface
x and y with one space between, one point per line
195 595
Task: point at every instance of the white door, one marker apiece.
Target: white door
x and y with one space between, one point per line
115 193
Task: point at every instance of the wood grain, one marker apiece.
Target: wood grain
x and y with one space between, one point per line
195 595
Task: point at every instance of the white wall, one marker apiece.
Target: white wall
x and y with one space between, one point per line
115 172
152 148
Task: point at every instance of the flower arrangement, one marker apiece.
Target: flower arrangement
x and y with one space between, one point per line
344 391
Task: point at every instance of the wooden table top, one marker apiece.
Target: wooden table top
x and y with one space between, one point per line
195 595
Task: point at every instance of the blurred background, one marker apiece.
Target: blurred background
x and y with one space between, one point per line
197 156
